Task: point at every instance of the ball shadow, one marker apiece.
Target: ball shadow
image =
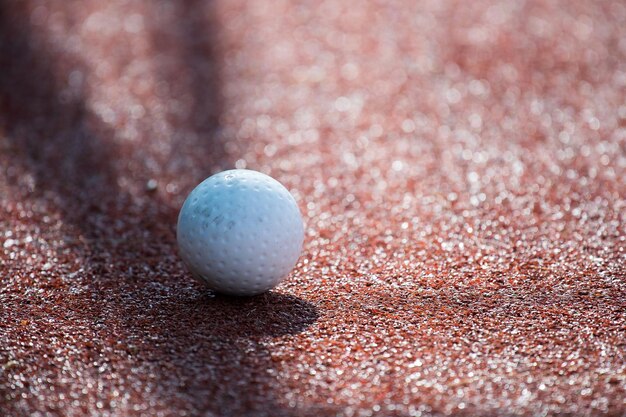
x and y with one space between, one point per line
268 315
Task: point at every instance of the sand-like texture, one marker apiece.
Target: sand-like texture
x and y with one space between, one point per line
460 166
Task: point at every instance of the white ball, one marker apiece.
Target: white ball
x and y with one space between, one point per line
240 232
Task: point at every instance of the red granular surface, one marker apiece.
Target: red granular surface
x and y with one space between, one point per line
460 166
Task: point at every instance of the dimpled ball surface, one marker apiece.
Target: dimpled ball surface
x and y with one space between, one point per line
240 232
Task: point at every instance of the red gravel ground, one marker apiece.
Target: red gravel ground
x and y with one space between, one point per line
460 166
